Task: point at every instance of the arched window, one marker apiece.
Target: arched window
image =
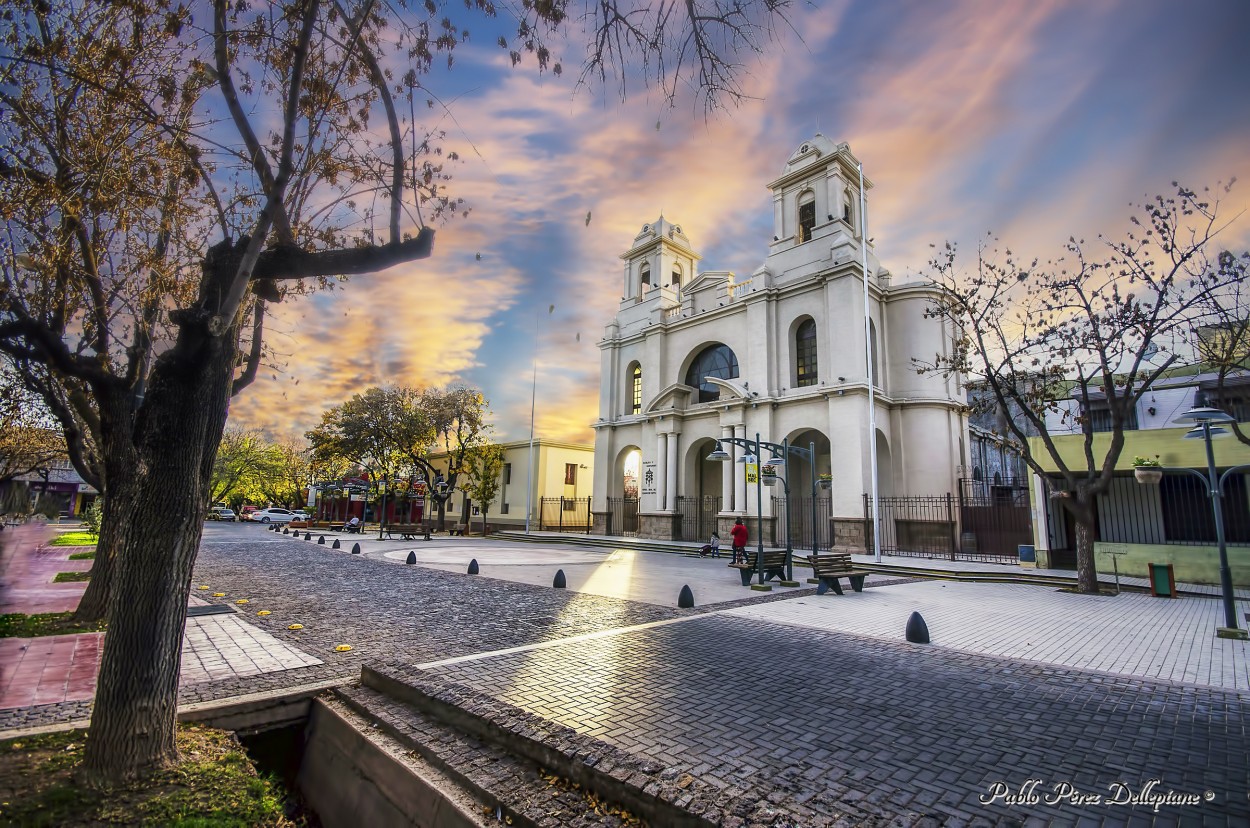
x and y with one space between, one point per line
676 277
846 206
713 361
805 354
646 278
807 217
635 389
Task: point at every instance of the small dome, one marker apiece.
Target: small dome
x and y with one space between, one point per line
808 152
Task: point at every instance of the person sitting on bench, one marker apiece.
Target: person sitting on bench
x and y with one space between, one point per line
352 525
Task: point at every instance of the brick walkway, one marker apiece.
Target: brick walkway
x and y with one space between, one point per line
775 695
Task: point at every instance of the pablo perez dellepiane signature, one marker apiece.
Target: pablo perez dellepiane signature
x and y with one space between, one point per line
1037 792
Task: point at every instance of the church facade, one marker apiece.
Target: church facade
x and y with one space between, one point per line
694 359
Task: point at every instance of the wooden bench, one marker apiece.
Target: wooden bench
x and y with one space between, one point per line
298 524
774 566
407 531
829 568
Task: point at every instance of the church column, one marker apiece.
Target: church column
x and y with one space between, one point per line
740 472
672 469
727 475
661 468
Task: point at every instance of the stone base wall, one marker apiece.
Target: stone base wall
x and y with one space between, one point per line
850 532
659 526
599 522
725 525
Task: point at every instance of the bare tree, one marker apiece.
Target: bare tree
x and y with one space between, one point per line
1054 342
168 171
1222 337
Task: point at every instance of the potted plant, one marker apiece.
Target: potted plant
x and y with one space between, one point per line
824 481
769 474
1147 469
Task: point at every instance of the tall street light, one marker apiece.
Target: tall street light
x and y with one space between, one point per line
755 449
810 454
1207 426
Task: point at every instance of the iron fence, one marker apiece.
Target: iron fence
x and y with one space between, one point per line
1175 511
920 526
564 514
698 516
799 525
622 516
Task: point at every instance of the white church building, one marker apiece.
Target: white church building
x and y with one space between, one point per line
693 357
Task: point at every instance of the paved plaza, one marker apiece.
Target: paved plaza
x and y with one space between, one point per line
1029 705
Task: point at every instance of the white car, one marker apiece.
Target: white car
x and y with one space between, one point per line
274 515
300 514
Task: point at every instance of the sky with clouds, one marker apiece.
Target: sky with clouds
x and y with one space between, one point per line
1032 120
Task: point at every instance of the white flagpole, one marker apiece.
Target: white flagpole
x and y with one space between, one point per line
529 482
868 355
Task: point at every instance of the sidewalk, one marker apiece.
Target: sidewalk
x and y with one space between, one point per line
63 668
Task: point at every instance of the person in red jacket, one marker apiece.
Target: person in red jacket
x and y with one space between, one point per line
739 537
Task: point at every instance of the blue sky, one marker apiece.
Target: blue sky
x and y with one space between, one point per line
1032 120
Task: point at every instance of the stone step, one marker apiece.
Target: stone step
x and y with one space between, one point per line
536 769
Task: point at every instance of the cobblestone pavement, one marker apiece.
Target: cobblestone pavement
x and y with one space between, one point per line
821 722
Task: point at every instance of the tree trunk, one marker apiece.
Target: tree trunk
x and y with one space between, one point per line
180 426
1086 573
94 602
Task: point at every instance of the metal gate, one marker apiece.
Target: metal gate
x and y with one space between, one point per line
564 514
623 516
804 524
995 518
698 516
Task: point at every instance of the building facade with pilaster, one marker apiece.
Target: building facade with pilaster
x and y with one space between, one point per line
694 357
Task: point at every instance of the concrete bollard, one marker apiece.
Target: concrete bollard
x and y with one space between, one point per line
355 549
686 599
559 583
321 540
336 544
412 558
473 567
917 630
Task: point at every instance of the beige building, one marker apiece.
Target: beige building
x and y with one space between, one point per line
695 357
556 486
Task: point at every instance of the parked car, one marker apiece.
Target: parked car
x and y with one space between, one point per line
275 514
300 514
222 513
246 512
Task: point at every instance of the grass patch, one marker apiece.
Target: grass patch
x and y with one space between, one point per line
216 784
74 539
69 577
18 625
83 556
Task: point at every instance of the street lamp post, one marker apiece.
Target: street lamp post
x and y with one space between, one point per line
1207 426
781 450
810 454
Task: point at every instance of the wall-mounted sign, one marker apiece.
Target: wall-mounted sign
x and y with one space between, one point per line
753 473
649 477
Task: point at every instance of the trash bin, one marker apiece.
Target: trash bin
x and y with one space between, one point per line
1162 580
1028 556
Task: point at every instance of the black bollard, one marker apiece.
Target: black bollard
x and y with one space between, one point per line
473 567
686 599
355 549
286 531
412 558
308 536
917 629
336 544
558 583
321 540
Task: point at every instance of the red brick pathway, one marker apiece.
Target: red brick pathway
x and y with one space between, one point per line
47 669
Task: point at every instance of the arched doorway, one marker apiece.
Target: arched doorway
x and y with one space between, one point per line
623 493
805 511
701 498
